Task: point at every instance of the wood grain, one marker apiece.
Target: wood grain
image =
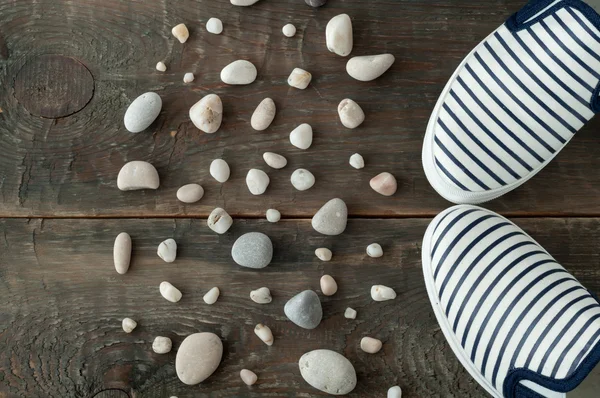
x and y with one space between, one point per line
63 302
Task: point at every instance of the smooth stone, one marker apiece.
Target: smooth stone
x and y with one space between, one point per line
198 357
161 67
128 325
350 313
374 250
289 30
122 252
264 333
261 295
328 371
299 78
338 35
302 179
323 254
384 184
214 26
170 292
190 193
357 161
248 377
394 392
181 33
239 72
142 112
273 215
304 309
243 3
370 345
328 285
263 115
382 293
162 345
188 77
274 160
252 250
257 181
219 170
331 219
351 114
369 67
207 113
315 3
302 136
212 296
167 250
219 221
137 174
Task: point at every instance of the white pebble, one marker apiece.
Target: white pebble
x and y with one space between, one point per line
219 170
257 181
161 67
170 292
323 254
190 193
128 325
264 333
299 78
248 377
138 174
239 72
357 161
243 3
219 221
374 250
162 345
263 115
142 112
122 252
261 295
274 160
273 215
167 250
289 30
382 293
370 345
338 35
369 67
394 392
350 313
207 113
188 77
211 296
181 33
328 285
214 26
351 114
302 136
302 179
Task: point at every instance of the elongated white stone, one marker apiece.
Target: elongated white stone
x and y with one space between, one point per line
328 371
190 193
369 67
263 115
207 113
122 252
243 3
299 78
351 114
338 35
219 170
212 296
257 181
219 221
302 136
382 293
274 160
170 292
328 285
239 72
142 112
136 175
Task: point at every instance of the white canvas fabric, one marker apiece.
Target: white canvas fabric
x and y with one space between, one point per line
514 102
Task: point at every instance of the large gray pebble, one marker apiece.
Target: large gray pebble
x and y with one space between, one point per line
304 309
331 219
328 371
198 357
142 112
252 250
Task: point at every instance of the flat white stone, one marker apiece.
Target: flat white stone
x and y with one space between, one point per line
181 33
289 30
273 215
136 175
128 325
257 181
357 161
299 78
302 136
219 221
122 252
351 114
167 250
239 72
369 67
338 35
219 170
382 293
243 3
142 112
188 77
374 250
302 179
190 193
162 345
263 115
170 292
274 160
207 113
212 296
214 26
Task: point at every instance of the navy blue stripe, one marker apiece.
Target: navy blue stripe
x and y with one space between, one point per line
583 24
585 349
442 220
577 39
575 338
450 176
448 227
459 164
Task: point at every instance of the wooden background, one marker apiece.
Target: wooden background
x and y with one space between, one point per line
68 71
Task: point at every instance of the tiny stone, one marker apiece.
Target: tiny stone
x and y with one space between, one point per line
289 30
167 250
261 296
273 215
136 175
332 218
207 113
122 252
370 345
181 33
351 114
369 67
263 115
328 285
214 26
357 161
219 221
304 309
374 250
142 112
239 72
264 333
161 67
299 78
315 3
384 184
382 293
253 250
302 136
198 356
188 77
128 325
338 35
219 170
243 3
190 193
323 254
162 345
302 179
170 292
394 392
248 377
257 181
211 296
350 313
274 160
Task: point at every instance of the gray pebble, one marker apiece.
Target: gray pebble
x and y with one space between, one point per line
304 309
331 219
142 112
252 250
328 371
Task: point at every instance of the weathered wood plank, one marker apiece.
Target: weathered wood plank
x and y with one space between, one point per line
60 322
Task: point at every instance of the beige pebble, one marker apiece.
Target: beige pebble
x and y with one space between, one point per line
323 254
211 296
257 181
382 293
350 113
261 295
370 345
273 215
128 325
264 333
219 221
167 250
350 313
239 72
263 115
394 392
299 78
161 67
198 356
122 252
357 161
274 160
328 285
248 377
190 193
162 345
170 292
137 174
181 33
374 250
207 114
384 183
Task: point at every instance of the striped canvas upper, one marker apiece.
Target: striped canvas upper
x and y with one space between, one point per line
507 303
517 100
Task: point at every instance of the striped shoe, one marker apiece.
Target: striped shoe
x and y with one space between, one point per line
515 101
517 320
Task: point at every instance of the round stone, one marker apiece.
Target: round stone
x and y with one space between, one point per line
198 357
304 309
289 30
328 371
252 250
214 26
190 193
302 179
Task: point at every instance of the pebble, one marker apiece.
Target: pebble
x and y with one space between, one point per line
188 77
384 184
190 193
161 67
338 35
382 293
302 179
273 215
299 78
128 325
370 345
170 292
142 112
239 72
369 67
252 250
248 377
374 250
263 115
323 254
394 392
219 221
328 371
351 114
137 174
328 285
219 170
207 113
289 30
181 33
214 26
350 313
122 252
357 161
212 296
264 333
261 295
243 3
198 357
302 136
162 345
274 160
331 219
167 250
304 309
257 181
315 3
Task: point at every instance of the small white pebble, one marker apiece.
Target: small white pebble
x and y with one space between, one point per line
394 392
128 325
351 114
211 296
299 78
264 333
273 215
350 313
261 296
167 250
374 250
257 181
302 179
323 254
219 221
357 161
181 33
170 292
188 77
248 377
161 67
214 26
328 285
382 293
162 345
370 345
302 136
289 30
219 170
274 160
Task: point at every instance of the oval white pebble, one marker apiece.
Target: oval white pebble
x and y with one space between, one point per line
167 250
274 160
328 371
302 136
263 115
170 292
219 170
181 33
248 377
289 30
188 77
299 78
350 313
161 67
137 174
351 114
302 179
384 184
128 325
370 345
212 296
198 356
394 392
162 345
323 254
261 295
369 67
357 161
190 193
382 293
219 221
214 26
328 285
142 112
243 3
257 181
239 72
338 35
264 333
374 250
273 215
207 113
122 252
